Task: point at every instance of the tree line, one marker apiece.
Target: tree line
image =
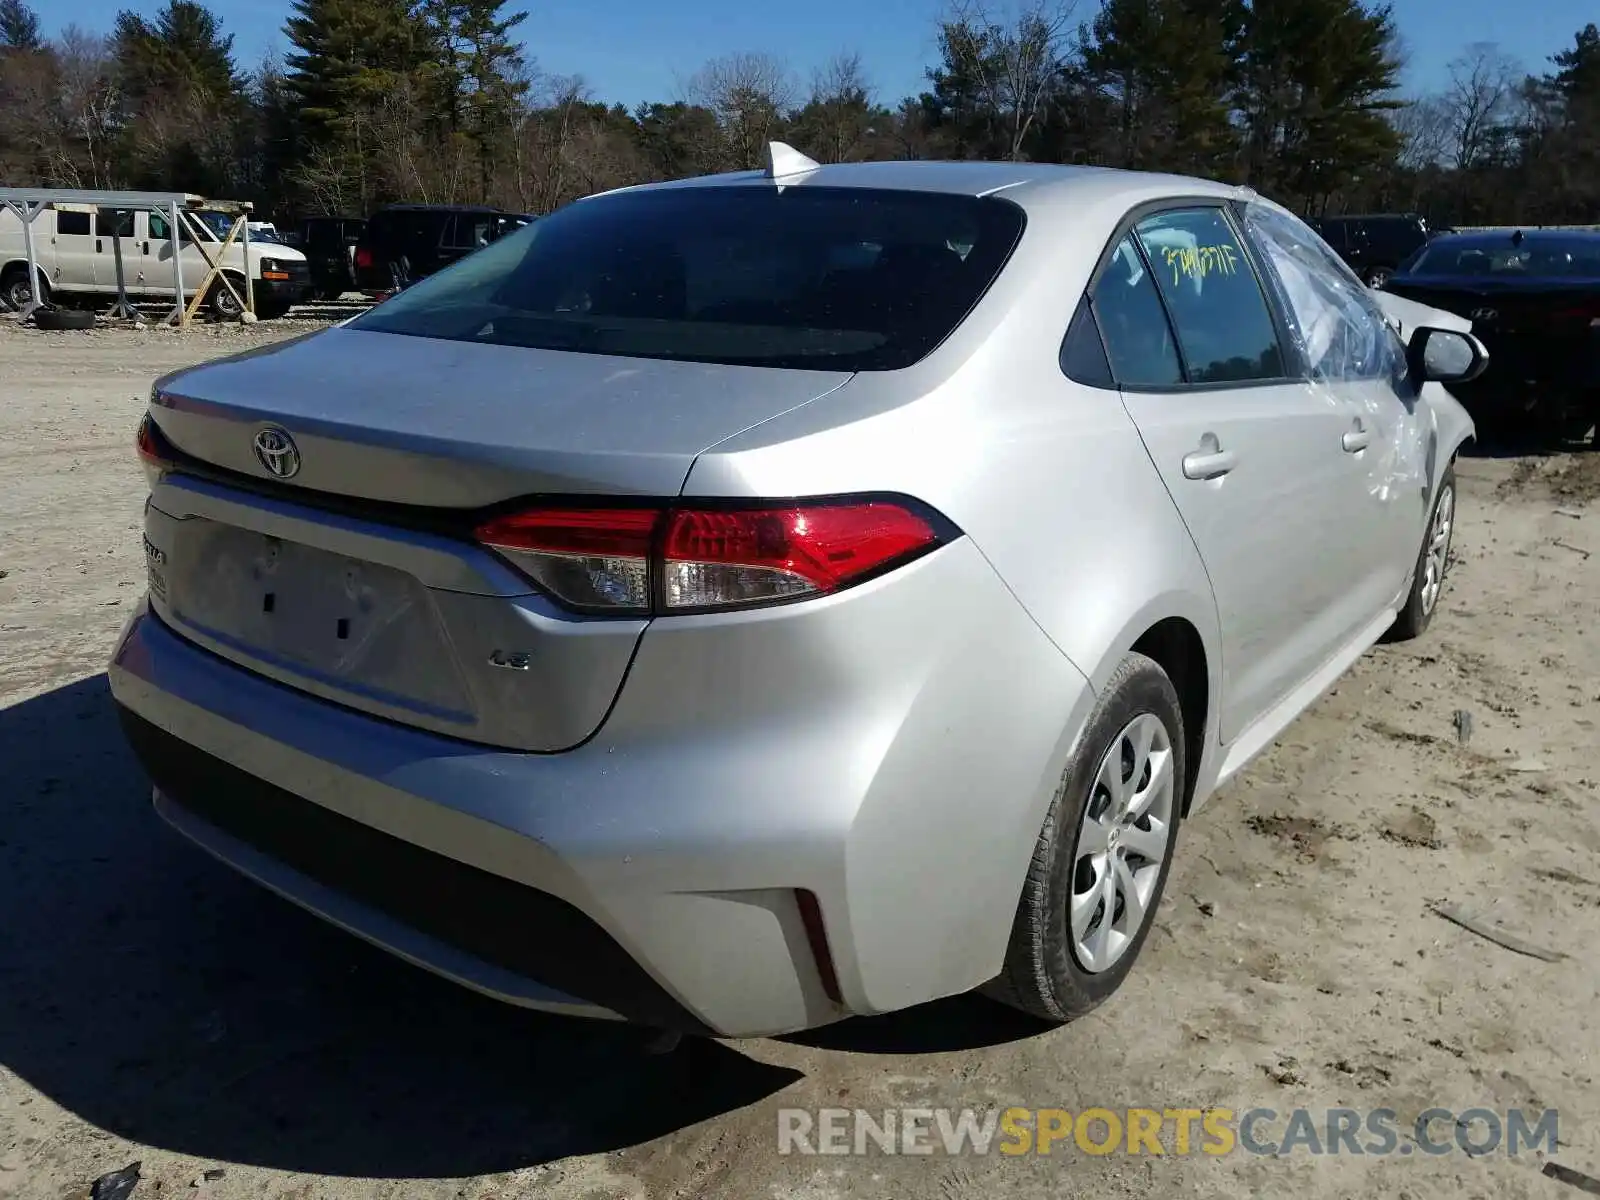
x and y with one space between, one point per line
437 101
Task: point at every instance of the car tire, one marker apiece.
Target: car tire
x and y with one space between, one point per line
1052 969
1433 559
65 318
221 301
1377 277
16 292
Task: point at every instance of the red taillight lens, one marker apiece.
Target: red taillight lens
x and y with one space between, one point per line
363 257
713 558
150 443
642 560
588 558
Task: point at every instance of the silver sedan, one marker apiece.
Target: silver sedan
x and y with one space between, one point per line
739 603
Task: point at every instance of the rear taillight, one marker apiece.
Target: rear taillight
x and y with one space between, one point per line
593 559
151 445
675 560
363 257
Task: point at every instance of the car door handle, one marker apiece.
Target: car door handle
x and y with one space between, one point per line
1209 464
1358 439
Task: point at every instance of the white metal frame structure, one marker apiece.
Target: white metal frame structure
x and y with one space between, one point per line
177 208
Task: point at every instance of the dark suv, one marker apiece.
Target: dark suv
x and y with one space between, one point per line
407 242
329 246
1375 244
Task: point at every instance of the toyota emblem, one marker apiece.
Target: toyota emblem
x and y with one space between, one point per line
276 451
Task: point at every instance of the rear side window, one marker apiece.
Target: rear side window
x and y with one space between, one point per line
407 232
71 224
113 223
837 279
1128 310
1224 326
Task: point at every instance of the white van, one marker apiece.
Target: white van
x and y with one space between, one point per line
76 249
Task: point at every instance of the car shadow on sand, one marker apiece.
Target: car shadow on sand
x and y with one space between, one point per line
155 994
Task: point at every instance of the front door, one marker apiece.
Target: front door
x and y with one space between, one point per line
1248 449
75 256
1353 353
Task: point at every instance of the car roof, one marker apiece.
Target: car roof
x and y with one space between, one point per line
1031 185
442 208
1373 217
1496 239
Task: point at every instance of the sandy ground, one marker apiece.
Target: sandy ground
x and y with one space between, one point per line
155 1008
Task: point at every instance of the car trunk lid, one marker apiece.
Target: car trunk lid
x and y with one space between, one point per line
424 421
356 578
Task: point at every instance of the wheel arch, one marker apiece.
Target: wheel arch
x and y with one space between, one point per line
1176 647
1180 632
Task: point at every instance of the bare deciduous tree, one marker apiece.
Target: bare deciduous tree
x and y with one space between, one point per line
1478 101
1425 133
749 93
1012 60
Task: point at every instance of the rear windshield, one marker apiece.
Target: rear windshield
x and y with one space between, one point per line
1542 257
837 279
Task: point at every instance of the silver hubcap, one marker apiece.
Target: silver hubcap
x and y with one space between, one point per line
1122 843
1438 551
227 305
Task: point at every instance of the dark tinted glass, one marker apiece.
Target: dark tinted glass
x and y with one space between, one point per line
1083 354
1129 313
108 223
72 223
1532 257
407 232
1222 319
838 279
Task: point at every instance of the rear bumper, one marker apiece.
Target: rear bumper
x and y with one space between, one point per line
652 872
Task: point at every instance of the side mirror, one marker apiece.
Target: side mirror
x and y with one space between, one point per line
1445 356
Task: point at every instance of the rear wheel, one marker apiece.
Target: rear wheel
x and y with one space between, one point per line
1377 277
1102 859
1427 585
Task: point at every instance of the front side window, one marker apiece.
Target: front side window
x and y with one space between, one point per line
1224 326
1341 331
1133 323
836 279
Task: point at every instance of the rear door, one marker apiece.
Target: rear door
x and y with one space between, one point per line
1248 449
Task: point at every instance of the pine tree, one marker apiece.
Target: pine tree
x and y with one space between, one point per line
348 56
183 51
1168 68
19 27
1317 81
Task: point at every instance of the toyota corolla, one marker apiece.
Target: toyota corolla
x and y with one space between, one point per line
739 603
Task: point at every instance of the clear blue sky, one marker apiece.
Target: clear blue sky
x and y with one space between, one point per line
633 50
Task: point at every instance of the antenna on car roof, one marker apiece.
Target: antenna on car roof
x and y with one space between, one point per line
785 162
